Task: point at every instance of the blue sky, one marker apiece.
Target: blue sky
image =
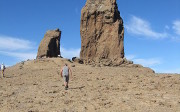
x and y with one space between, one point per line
152 30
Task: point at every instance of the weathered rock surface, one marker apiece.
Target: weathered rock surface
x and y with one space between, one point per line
102 32
50 44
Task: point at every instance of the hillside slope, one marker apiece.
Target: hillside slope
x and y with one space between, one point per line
36 86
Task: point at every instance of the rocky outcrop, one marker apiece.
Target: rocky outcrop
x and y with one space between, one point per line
50 45
77 60
102 33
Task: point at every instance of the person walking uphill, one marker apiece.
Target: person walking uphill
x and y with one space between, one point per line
2 69
65 72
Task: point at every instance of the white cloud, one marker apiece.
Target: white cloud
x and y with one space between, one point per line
152 63
175 38
142 27
16 48
147 62
12 44
22 49
176 70
66 53
20 55
69 53
130 57
176 26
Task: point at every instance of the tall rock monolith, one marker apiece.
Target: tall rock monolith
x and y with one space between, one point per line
50 45
102 33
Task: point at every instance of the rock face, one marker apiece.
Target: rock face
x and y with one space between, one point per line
102 32
50 44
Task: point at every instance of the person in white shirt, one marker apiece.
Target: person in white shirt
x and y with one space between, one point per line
2 69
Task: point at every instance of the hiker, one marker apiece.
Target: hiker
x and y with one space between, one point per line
2 69
65 73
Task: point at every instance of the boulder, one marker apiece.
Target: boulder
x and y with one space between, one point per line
102 32
78 60
50 45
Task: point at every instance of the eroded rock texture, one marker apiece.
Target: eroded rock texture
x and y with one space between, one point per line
102 32
50 44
